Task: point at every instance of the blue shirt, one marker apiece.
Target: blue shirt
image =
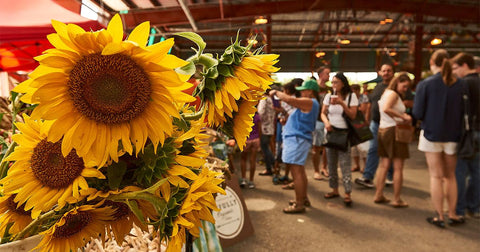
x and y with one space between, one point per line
440 107
302 124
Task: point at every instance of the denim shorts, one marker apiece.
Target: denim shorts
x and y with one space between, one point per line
295 150
318 133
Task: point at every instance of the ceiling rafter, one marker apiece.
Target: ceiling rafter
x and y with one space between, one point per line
390 30
202 12
319 32
155 2
130 4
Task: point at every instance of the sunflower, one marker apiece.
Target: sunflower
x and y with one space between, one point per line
256 70
244 81
196 206
13 213
76 228
105 93
41 176
190 155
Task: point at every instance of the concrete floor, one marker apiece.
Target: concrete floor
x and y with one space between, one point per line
329 226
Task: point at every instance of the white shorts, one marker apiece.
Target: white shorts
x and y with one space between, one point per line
424 145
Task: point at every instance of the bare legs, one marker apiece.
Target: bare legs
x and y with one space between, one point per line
317 153
300 180
252 160
397 178
441 167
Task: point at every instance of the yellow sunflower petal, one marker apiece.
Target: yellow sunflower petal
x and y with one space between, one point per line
115 28
140 34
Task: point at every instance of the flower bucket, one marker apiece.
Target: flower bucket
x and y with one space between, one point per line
23 245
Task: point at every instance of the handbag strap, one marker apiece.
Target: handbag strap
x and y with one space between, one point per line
349 98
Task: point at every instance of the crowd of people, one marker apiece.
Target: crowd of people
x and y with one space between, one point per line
299 117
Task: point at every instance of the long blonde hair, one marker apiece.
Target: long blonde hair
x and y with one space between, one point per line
440 59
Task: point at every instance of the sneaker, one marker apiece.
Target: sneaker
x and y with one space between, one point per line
364 182
243 183
388 182
251 185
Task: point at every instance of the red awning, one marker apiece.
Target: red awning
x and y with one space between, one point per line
24 26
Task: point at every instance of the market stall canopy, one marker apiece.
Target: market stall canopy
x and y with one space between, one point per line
24 25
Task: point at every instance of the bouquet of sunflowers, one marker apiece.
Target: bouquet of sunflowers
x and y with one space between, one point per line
112 140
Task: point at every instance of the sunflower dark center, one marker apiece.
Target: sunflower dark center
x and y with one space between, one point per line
12 206
74 223
121 209
51 168
109 89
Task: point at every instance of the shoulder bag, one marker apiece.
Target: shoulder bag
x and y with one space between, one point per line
404 133
336 139
358 127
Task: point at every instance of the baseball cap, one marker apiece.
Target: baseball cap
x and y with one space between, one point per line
310 84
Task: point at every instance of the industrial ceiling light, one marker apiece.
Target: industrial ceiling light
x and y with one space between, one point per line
436 41
261 20
382 22
392 53
320 54
344 41
388 20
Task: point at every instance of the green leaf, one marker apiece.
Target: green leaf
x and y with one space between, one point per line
208 61
115 174
225 70
132 204
227 59
195 38
210 84
212 73
188 69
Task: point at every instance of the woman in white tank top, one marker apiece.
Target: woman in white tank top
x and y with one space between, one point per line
392 112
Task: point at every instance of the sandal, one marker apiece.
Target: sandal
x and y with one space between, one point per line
382 200
290 186
306 203
293 209
347 201
324 173
436 221
266 173
317 176
399 204
331 195
455 222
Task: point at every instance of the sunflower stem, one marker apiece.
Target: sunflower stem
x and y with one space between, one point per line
194 116
4 163
15 101
33 224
